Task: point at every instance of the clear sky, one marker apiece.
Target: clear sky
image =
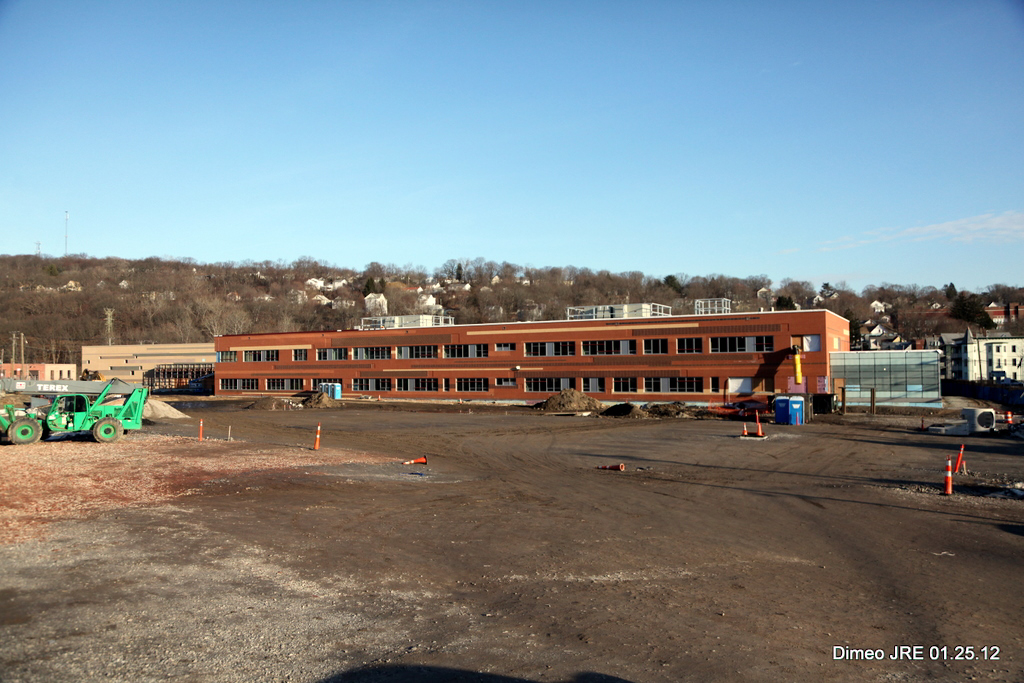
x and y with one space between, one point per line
856 141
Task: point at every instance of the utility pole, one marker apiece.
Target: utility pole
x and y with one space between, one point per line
23 355
14 351
110 325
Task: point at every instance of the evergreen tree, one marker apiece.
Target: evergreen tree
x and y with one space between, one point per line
970 308
785 303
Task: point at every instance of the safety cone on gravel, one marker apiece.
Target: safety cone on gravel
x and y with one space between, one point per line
418 461
745 429
620 467
316 441
960 461
757 416
949 476
200 430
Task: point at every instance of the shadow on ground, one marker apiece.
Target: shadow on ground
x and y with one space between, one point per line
435 674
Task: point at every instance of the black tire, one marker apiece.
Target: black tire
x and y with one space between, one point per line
107 430
47 432
24 431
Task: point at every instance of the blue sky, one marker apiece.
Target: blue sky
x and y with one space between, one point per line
859 141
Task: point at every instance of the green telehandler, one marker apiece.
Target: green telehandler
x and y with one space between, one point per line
76 413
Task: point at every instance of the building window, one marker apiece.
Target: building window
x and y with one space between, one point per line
593 385
564 348
332 354
267 355
504 347
248 384
547 384
689 345
284 384
402 384
677 385
465 350
505 382
655 346
424 384
371 384
417 351
728 344
470 384
624 385
610 347
762 344
715 387
228 384
227 356
686 385
300 354
371 353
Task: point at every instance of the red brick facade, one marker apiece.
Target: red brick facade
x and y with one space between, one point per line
692 358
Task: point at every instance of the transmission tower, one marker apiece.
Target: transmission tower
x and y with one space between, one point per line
109 312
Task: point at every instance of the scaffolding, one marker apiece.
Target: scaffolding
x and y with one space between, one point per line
712 306
389 322
176 375
617 311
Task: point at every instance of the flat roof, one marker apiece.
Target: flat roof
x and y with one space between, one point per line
654 320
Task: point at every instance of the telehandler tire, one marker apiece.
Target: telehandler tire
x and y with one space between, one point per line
24 431
107 430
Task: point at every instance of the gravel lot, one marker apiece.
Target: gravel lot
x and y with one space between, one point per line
509 556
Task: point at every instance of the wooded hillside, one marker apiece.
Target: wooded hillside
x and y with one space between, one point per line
61 304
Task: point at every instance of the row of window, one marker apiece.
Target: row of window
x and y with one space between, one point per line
603 347
481 384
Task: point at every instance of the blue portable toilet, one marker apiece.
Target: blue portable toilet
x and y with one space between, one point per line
332 389
789 410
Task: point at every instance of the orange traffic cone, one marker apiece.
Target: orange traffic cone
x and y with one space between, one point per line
960 461
418 461
757 416
620 467
744 429
949 476
316 441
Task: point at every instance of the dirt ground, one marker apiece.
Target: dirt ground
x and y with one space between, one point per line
509 557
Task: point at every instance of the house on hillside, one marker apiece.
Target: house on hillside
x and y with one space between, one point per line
879 307
984 359
375 305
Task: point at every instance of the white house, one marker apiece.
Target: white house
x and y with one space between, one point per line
375 305
986 359
879 307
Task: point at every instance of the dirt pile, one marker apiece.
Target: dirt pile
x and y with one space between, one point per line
675 409
272 403
158 410
625 410
321 401
570 401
